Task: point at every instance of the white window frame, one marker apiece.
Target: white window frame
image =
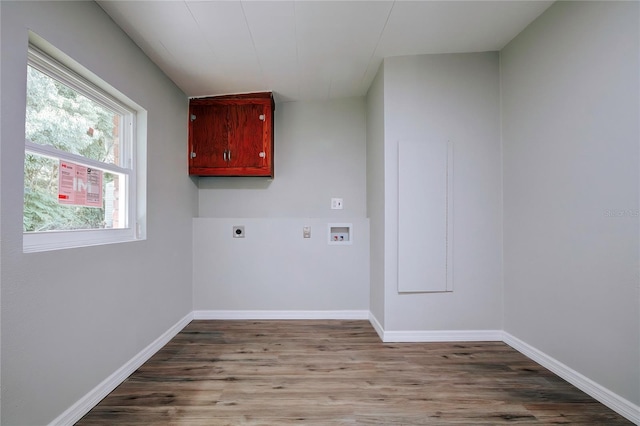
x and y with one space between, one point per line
84 83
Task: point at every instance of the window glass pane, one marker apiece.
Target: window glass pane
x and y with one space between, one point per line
59 116
45 210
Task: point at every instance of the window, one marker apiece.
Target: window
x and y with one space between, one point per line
80 161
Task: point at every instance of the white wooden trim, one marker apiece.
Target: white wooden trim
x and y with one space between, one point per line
425 336
57 154
33 242
605 396
282 315
79 81
376 325
612 400
87 402
53 63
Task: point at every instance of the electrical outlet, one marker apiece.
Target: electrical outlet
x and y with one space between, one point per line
336 203
306 232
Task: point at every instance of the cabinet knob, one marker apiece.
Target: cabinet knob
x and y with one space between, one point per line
261 117
262 154
193 154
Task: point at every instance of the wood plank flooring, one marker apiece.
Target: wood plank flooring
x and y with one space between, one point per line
338 373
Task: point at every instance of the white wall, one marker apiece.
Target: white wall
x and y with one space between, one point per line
570 131
72 317
375 193
320 153
571 232
437 98
275 269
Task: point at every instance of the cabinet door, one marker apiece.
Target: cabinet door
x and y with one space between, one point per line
247 124
208 136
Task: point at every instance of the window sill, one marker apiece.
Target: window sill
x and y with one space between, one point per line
59 240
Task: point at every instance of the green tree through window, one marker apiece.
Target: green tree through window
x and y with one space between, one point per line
60 117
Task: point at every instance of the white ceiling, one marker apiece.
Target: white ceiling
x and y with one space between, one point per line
307 50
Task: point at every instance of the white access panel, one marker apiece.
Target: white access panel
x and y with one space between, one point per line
425 211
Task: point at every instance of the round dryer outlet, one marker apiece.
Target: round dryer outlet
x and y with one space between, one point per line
238 232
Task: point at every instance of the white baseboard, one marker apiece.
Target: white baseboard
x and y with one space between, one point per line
425 336
443 336
91 399
280 315
610 399
605 396
376 325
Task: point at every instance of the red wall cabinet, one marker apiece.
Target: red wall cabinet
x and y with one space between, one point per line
231 135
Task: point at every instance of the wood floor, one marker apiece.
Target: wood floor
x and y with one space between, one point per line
338 373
